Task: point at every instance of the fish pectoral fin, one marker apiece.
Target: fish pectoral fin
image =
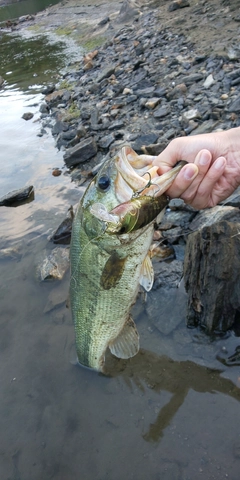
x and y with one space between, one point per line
112 271
126 345
147 274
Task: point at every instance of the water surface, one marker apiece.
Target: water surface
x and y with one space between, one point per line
23 7
170 413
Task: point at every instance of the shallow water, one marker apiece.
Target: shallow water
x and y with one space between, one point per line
24 7
170 413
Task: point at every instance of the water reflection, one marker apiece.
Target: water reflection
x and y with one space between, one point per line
160 373
28 63
24 7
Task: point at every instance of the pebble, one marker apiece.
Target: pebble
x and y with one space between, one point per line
27 116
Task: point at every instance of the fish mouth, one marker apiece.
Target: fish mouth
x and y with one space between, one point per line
138 176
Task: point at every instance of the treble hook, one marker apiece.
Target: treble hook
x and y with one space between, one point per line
148 185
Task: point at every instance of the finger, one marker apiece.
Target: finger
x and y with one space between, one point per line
169 156
183 180
203 161
206 188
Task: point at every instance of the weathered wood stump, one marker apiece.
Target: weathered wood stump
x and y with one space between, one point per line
212 275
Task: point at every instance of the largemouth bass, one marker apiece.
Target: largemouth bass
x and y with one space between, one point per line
111 236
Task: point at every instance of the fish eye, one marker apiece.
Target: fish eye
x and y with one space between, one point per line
104 182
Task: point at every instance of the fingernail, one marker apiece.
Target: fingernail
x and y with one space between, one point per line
219 163
190 172
204 158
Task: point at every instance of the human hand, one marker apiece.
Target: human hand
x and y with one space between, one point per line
213 172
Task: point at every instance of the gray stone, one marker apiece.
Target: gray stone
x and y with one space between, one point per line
162 111
192 78
167 310
106 141
82 152
116 125
235 105
17 197
210 216
106 72
144 140
27 116
178 4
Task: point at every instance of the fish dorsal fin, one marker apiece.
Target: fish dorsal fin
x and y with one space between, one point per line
126 345
147 274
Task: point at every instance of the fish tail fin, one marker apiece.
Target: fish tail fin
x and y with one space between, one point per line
126 344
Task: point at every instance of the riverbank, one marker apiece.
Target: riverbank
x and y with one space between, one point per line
149 82
211 27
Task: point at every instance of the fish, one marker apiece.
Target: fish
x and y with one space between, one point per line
109 253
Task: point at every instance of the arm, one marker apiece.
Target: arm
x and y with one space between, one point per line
213 172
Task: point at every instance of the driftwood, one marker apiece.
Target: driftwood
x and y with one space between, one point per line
212 275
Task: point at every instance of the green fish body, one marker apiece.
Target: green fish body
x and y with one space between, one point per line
109 258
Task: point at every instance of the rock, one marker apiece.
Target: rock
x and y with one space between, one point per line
210 216
167 310
178 4
154 149
235 105
152 102
205 127
57 96
177 218
191 114
106 72
128 11
143 140
44 108
56 172
64 231
167 274
172 234
48 89
17 197
27 116
211 275
82 152
161 112
106 141
59 127
209 81
192 78
55 265
116 125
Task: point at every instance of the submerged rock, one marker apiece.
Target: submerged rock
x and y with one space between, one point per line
17 197
55 265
